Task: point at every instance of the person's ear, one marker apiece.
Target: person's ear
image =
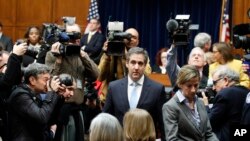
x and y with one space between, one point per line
32 80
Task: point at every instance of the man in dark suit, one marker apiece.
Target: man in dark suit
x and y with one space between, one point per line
92 42
6 41
148 95
228 103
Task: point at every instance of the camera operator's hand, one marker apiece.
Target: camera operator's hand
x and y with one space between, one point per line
55 48
20 49
205 99
54 84
84 55
105 46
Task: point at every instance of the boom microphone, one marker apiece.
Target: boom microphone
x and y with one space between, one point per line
172 25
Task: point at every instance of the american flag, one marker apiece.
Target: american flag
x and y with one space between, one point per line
93 13
225 31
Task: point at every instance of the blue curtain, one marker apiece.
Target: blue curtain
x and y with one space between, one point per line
149 17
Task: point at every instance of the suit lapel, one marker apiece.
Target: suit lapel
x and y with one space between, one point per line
124 92
144 92
188 113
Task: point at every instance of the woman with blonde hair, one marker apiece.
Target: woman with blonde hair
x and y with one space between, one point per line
105 127
138 126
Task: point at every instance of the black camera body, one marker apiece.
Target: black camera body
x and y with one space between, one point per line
240 40
116 36
31 51
209 92
179 29
53 33
66 79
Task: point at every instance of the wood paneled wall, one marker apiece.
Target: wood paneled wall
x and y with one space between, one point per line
17 15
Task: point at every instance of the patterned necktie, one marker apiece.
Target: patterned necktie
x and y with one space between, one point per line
133 98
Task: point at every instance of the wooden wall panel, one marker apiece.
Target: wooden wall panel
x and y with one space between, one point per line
33 12
72 8
18 15
239 14
7 12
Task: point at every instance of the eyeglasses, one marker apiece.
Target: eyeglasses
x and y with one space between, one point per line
216 81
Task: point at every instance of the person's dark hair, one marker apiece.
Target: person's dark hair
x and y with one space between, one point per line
1 25
225 50
26 35
158 56
34 70
137 50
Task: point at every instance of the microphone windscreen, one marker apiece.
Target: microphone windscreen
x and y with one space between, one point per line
172 25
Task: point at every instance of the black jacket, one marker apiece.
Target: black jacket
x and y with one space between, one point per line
29 115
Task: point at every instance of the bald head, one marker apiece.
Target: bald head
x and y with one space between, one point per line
135 38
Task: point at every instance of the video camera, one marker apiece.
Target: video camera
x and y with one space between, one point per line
240 40
116 36
209 92
54 33
179 29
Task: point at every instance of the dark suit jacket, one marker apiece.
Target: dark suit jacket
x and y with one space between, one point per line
152 98
94 47
227 110
7 42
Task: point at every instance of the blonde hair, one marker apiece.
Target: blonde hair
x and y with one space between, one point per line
186 73
105 127
138 126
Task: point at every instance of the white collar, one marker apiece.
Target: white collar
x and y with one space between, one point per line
140 81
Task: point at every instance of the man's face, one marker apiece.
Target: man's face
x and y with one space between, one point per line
134 40
39 84
68 91
136 66
219 83
190 88
93 25
196 58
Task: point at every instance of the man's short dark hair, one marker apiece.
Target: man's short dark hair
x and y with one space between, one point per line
1 25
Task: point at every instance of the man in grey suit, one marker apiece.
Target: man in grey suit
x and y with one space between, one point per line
136 91
184 115
6 41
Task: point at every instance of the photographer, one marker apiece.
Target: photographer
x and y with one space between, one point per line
109 71
79 66
228 103
28 114
10 75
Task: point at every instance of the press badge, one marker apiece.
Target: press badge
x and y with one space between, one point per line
78 83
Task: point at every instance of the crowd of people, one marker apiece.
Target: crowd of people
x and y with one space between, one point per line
49 92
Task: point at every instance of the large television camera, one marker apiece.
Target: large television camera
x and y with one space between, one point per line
179 29
240 38
55 33
116 36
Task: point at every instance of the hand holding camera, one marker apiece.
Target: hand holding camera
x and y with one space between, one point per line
54 84
20 49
